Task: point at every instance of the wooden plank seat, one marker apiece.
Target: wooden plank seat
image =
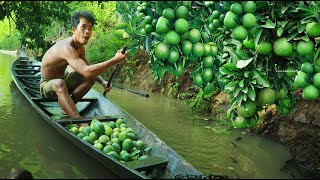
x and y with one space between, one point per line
29 76
67 120
148 163
28 69
53 107
27 65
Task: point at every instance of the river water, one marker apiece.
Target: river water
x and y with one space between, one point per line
29 142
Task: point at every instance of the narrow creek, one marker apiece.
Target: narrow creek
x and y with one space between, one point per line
29 142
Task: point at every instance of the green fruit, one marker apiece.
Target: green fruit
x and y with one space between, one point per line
173 56
264 48
123 136
194 35
114 154
74 130
120 121
249 7
300 81
81 135
207 49
198 49
239 33
305 47
182 12
239 122
316 80
290 72
162 25
307 67
208 61
249 43
169 13
236 8
198 80
216 23
214 50
184 36
249 21
313 29
282 47
177 72
230 21
98 127
209 88
98 146
267 96
215 14
172 38
181 26
207 74
161 51
87 139
247 110
108 148
186 47
127 145
112 124
310 92
103 139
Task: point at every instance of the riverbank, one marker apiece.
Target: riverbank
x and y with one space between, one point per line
9 52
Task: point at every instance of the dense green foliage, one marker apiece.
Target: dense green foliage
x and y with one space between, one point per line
252 50
38 25
9 36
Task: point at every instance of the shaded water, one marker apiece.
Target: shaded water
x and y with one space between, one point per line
28 141
210 150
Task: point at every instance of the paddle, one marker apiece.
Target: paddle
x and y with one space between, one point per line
115 70
132 91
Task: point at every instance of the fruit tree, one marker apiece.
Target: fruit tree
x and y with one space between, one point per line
258 52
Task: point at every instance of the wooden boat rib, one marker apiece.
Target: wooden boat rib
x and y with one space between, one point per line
164 162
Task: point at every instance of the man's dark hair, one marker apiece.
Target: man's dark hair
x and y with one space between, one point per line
75 18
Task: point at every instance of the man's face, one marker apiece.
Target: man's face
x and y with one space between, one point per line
83 32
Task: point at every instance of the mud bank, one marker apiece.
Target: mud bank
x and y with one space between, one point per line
300 131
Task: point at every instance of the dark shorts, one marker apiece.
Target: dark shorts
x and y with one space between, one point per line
72 79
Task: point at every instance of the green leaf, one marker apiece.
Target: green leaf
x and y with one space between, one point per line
284 9
283 23
236 91
245 90
301 27
269 24
292 35
280 31
148 44
247 74
242 54
258 35
241 83
252 94
243 63
261 79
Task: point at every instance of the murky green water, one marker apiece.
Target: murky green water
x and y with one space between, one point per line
28 141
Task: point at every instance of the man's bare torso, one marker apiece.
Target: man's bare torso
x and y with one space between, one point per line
54 63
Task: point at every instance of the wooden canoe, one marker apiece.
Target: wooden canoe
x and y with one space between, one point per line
163 162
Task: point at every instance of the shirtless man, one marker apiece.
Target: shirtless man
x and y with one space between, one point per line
65 72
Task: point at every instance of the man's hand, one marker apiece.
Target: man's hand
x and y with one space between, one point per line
119 57
106 87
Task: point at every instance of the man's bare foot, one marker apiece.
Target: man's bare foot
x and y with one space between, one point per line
62 112
83 124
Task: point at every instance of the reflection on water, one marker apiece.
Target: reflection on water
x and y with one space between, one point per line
231 152
27 141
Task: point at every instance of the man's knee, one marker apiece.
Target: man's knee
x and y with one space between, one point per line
59 85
